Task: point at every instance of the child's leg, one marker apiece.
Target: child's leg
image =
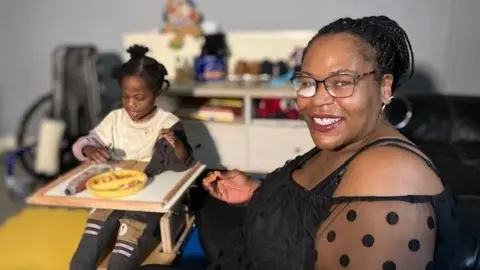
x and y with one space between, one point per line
101 224
135 229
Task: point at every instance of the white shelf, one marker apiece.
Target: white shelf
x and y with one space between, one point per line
239 121
259 122
230 90
279 122
250 45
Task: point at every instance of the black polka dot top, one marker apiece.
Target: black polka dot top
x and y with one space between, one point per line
288 227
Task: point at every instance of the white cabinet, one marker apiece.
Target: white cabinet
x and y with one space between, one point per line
270 146
218 145
253 145
253 148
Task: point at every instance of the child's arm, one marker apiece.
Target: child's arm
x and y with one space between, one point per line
100 136
91 139
169 158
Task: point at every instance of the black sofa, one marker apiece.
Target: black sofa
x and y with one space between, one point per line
447 129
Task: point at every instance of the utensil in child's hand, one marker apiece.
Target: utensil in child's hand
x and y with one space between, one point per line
112 161
113 164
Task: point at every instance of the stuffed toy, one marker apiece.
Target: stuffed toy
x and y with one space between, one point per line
182 18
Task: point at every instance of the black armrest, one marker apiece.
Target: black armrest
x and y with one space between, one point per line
471 255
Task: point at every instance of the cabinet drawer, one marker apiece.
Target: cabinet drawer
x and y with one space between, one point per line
271 146
218 145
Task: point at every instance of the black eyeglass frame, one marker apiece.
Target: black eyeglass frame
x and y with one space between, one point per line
356 78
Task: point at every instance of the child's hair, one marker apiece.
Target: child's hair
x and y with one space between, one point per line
146 67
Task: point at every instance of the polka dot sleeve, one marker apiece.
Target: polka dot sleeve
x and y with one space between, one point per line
388 235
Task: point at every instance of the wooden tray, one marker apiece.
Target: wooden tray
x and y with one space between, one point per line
159 195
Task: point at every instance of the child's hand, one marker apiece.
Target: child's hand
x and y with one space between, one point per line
177 145
168 135
96 154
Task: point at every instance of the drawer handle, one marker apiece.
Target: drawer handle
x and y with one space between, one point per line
297 150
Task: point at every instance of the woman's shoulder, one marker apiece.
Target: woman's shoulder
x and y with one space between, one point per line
389 171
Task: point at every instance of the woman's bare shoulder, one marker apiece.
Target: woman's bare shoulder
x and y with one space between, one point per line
389 171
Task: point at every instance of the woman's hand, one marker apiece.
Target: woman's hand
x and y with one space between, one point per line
231 186
97 154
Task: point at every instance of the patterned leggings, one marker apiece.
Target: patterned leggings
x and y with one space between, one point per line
134 229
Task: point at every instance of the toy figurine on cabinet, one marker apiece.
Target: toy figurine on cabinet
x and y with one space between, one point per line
182 18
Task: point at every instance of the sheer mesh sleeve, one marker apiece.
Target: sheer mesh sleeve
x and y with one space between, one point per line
379 234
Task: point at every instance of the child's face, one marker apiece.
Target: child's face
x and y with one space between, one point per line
137 99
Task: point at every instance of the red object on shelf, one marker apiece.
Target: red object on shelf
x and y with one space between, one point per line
277 108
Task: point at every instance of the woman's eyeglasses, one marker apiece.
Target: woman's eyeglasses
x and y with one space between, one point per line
337 85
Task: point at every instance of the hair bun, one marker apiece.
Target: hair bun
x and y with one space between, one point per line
137 51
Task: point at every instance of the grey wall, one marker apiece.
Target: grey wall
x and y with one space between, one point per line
442 33
463 60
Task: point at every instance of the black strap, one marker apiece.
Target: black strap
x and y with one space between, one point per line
427 161
305 157
395 142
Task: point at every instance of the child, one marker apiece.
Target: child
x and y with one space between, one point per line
138 131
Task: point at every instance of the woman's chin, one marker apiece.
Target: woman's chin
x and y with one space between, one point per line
327 141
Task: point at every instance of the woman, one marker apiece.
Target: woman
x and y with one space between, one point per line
365 197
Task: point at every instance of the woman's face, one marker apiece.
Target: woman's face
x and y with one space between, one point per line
335 122
137 99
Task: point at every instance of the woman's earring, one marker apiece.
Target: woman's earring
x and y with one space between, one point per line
385 104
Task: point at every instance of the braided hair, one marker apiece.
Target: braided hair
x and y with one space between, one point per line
392 51
149 69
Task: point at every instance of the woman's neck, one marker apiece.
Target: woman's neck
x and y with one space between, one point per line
381 130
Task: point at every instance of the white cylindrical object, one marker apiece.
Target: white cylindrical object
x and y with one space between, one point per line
50 136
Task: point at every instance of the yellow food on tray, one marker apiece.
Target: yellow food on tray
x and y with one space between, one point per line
117 183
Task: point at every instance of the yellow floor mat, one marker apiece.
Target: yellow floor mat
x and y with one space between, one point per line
40 238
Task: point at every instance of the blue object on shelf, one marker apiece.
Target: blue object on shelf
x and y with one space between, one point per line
210 68
281 80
